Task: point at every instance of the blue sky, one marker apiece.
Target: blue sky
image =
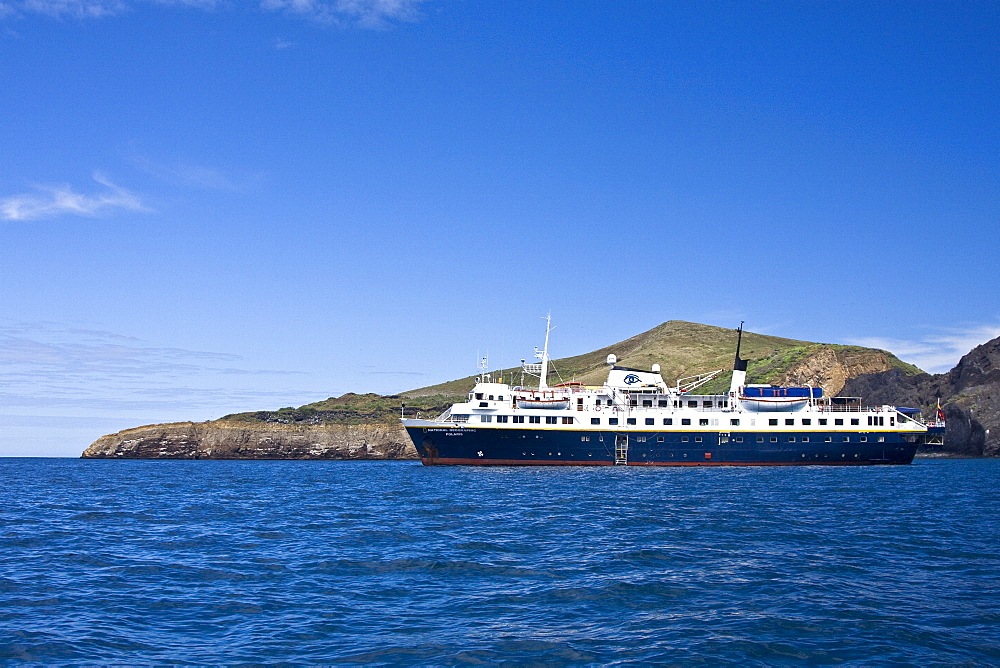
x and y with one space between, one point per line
215 206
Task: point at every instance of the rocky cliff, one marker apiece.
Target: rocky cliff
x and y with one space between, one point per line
224 439
969 394
831 368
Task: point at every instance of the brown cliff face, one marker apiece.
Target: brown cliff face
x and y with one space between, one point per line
969 394
831 369
239 440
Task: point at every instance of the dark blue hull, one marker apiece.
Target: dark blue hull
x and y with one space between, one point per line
478 446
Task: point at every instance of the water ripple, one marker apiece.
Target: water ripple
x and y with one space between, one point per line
389 563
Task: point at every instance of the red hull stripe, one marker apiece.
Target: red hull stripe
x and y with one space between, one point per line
460 461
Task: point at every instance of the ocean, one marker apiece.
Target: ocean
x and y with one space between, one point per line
389 563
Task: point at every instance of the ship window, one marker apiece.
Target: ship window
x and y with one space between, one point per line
668 420
486 418
838 421
822 421
491 397
774 439
828 439
864 439
479 395
585 438
640 439
634 402
567 420
773 422
805 439
519 418
892 420
855 421
847 439
684 439
703 422
483 404
706 404
692 404
735 422
550 419
650 421
881 439
697 439
738 439
662 403
789 421
500 398
647 403
760 439
659 439
791 439
869 420
807 422
685 421
630 420
612 420
501 418
595 420
534 419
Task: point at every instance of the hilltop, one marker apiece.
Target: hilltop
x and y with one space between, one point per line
688 348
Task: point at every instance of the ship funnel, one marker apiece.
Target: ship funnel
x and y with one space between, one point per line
612 360
739 365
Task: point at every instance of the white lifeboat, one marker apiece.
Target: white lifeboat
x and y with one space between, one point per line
764 398
546 400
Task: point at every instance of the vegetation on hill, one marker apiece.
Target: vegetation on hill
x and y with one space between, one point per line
680 348
350 408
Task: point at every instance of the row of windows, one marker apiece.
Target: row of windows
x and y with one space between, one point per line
760 439
805 422
702 422
663 403
532 419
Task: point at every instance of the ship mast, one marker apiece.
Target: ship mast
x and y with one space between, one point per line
544 355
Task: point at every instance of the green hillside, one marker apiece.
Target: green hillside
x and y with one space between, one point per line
680 348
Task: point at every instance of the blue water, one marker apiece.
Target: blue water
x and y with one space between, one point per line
395 563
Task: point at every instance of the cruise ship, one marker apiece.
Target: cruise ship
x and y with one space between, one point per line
636 419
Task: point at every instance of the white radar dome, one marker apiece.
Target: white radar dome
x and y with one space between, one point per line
656 368
612 360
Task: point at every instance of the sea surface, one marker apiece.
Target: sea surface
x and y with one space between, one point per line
262 562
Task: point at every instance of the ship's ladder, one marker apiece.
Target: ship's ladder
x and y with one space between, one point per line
621 450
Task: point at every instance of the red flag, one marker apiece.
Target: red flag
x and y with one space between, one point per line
940 413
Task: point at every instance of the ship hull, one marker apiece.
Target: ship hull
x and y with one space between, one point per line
475 446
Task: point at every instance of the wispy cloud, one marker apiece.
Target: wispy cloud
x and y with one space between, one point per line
50 201
194 175
46 365
935 352
363 13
